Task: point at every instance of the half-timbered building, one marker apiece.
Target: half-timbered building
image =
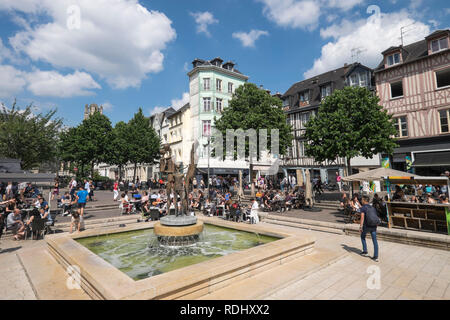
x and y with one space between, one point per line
302 101
413 83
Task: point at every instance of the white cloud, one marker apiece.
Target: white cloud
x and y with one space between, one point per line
343 4
178 103
45 83
292 13
338 30
157 109
54 84
373 36
174 103
120 40
107 105
203 20
11 81
248 38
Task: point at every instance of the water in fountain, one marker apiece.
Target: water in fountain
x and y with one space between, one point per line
140 255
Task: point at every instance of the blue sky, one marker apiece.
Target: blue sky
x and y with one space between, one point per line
128 54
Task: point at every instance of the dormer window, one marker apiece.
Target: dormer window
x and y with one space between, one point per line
439 44
393 59
325 90
303 97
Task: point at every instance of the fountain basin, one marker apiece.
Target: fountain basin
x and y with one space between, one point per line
177 231
102 280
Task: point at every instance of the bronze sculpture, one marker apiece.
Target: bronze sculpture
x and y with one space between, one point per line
177 184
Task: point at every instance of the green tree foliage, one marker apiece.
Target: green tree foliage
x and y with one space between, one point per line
143 142
350 123
119 148
254 108
32 138
87 144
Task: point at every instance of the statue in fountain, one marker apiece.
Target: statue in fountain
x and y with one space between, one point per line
179 228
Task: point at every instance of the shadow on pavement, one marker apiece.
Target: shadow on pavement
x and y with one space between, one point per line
10 250
350 249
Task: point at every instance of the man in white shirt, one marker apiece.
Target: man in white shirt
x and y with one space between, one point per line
254 218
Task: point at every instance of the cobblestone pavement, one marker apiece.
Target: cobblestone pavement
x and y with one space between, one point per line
405 272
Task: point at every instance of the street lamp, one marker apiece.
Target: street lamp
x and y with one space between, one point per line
208 144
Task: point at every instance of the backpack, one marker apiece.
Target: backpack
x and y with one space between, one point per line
371 217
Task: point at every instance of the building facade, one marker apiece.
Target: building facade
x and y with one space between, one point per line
89 110
302 101
180 136
413 83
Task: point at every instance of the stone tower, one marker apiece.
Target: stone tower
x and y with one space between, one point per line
90 109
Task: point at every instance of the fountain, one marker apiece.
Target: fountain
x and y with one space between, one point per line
178 228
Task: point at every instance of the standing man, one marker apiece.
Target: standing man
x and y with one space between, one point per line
87 187
116 190
369 223
72 187
80 200
293 182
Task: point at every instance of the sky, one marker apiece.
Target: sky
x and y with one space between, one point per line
126 54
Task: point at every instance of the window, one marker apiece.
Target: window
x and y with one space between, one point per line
304 96
443 78
219 85
206 128
396 89
393 59
206 104
354 81
363 79
401 126
439 44
444 116
325 91
218 105
206 84
230 87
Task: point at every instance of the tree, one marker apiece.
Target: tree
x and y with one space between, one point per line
254 108
88 143
144 143
95 134
350 123
30 137
119 148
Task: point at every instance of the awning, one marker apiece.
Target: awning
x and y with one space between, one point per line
432 159
376 174
435 181
27 177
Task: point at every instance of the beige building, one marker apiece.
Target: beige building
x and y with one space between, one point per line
180 136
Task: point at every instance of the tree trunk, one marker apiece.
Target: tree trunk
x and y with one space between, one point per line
120 173
92 170
252 186
349 173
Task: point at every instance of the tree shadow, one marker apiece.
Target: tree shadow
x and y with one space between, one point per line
10 250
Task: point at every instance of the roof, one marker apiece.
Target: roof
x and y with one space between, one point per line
200 62
313 84
169 111
413 51
183 108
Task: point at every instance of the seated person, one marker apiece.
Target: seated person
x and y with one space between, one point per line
15 224
443 199
66 203
430 199
124 204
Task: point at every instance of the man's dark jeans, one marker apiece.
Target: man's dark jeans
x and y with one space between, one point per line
373 234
